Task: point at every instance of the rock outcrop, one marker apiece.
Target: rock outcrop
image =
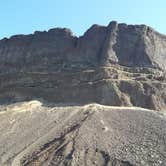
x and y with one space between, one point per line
127 45
120 65
49 80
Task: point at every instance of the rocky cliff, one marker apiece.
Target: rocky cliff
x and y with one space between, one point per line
49 80
121 65
127 45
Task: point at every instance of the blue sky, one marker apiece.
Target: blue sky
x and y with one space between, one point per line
26 16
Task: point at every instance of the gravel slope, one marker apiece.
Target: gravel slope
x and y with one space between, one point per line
36 135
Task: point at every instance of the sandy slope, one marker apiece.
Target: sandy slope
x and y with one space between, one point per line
32 135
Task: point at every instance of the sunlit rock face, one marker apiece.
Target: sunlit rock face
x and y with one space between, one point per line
118 64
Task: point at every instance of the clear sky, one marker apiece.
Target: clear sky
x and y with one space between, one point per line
26 16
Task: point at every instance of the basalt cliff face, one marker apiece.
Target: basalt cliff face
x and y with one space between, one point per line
94 100
119 65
